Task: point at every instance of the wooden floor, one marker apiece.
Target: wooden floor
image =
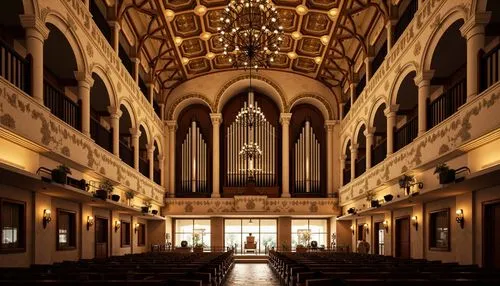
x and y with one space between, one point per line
247 274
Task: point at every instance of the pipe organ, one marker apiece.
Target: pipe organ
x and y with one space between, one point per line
239 167
307 161
194 161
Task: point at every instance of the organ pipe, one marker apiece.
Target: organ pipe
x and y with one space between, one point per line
307 160
194 161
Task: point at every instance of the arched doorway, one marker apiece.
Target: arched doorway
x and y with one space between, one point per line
379 149
407 114
126 151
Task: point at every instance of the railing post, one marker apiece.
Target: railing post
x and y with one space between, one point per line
423 81
473 31
390 113
85 83
36 34
285 130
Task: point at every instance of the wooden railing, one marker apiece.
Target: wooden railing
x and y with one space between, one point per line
144 167
61 106
405 135
15 68
405 19
489 68
101 135
360 166
379 152
346 175
446 104
126 154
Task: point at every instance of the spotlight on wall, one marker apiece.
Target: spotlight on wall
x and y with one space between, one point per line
414 220
90 222
365 227
460 217
386 225
352 229
46 217
136 228
118 224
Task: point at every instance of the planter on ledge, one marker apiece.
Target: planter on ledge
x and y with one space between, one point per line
101 194
145 210
375 204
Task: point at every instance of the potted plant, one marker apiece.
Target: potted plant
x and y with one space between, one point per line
105 188
446 175
130 196
146 207
388 197
370 196
375 203
197 243
60 174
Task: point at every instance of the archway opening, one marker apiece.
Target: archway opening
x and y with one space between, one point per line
379 149
156 165
360 163
346 171
407 114
126 151
143 152
100 124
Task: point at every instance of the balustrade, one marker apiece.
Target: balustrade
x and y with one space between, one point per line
61 106
14 68
446 104
406 133
489 68
126 154
379 152
360 166
346 175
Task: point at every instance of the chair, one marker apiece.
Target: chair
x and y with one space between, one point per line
250 245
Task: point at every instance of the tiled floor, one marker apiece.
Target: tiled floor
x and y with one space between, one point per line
249 274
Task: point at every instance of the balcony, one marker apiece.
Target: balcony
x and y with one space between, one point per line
61 106
14 68
405 134
446 104
379 152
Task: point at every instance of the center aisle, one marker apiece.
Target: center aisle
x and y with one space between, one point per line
247 274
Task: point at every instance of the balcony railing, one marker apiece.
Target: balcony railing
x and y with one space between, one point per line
379 152
489 68
15 68
346 175
126 154
144 167
446 104
405 19
405 135
360 166
101 135
157 176
61 106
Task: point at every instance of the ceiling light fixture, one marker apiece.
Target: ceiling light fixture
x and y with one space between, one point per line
325 39
296 35
206 36
210 55
318 60
178 41
333 13
200 10
170 15
185 61
292 55
301 10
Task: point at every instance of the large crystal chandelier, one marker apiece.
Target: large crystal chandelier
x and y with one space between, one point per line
251 33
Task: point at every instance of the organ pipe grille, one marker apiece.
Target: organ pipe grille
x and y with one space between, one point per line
194 161
307 161
264 166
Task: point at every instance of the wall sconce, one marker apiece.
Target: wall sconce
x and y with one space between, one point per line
386 225
118 224
365 227
46 217
90 222
460 217
136 228
407 181
414 220
352 229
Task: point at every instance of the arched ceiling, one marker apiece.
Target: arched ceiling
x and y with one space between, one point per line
178 38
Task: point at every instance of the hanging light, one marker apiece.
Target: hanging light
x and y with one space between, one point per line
250 222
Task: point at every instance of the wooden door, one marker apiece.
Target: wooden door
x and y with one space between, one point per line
491 245
101 238
403 237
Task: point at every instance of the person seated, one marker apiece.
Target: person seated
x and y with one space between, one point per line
250 244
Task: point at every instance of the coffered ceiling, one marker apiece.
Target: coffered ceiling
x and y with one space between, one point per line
323 38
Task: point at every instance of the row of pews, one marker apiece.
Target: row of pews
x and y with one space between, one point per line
166 268
333 268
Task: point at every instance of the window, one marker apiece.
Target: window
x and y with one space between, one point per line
185 229
12 220
237 234
125 233
439 233
317 228
66 230
141 234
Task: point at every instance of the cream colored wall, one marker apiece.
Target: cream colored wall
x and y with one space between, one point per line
217 233
284 233
136 248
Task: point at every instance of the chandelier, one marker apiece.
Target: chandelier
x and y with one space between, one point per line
250 33
250 115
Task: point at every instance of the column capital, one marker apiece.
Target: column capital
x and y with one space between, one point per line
171 125
161 159
33 24
114 113
216 118
391 110
115 25
475 24
354 148
84 79
135 132
150 148
369 131
285 118
330 124
423 78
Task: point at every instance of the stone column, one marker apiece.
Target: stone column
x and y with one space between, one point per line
114 116
85 83
368 69
136 134
473 31
369 146
423 81
161 162
352 92
354 157
329 124
285 153
389 27
137 65
390 113
343 157
36 34
115 36
216 122
151 91
151 160
162 110
172 127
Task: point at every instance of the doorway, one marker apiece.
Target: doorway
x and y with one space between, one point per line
491 241
379 239
101 237
403 237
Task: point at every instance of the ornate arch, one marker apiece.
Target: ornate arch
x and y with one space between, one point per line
237 84
315 100
401 75
129 106
68 30
144 125
346 142
184 101
100 71
371 114
359 124
456 14
159 142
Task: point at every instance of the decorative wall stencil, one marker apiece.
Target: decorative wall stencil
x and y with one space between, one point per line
8 121
90 50
250 203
